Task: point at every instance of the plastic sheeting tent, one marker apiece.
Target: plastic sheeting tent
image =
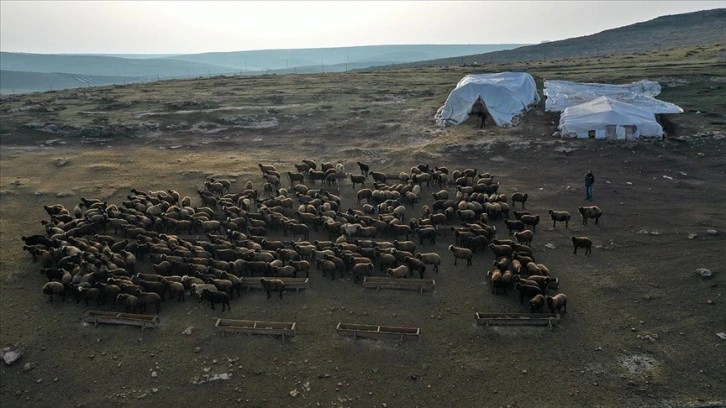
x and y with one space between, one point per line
563 94
608 118
504 95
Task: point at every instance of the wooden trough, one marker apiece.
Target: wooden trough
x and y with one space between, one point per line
517 319
290 283
377 332
379 282
283 329
133 319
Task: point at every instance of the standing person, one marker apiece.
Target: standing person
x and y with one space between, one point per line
589 181
483 118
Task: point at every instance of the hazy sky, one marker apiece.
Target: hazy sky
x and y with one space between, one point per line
168 27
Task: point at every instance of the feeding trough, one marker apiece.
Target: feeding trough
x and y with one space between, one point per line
255 327
517 319
377 332
133 319
378 282
290 283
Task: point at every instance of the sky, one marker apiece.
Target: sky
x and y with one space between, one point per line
181 27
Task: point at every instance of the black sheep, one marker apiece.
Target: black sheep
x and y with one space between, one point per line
216 297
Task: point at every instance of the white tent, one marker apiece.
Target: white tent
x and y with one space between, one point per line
563 94
608 118
504 95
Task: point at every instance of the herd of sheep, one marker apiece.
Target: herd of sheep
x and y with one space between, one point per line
163 246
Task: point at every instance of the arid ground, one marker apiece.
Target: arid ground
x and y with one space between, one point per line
640 329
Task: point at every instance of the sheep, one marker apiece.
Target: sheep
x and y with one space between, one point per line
529 291
296 176
524 237
326 266
89 293
514 225
536 303
131 303
271 285
416 265
501 250
590 212
560 216
400 272
378 177
496 281
54 288
148 298
358 180
519 198
364 168
557 303
426 233
216 297
463 253
175 288
430 258
362 269
532 220
582 242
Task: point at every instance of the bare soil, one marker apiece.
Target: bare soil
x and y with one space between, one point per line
640 328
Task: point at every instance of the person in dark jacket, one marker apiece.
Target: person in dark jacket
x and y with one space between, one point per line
589 181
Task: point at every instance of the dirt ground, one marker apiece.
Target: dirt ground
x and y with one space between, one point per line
640 328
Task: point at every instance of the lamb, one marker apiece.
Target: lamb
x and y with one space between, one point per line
560 216
557 303
216 297
525 237
54 288
532 220
463 253
590 212
400 272
430 258
536 303
582 242
271 285
519 198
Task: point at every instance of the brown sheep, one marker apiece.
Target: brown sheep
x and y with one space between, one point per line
430 258
582 242
590 212
519 198
399 272
362 269
416 265
463 253
557 303
536 303
525 237
271 285
560 216
54 288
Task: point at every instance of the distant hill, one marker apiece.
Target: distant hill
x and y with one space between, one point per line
362 56
57 71
662 33
23 82
106 65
